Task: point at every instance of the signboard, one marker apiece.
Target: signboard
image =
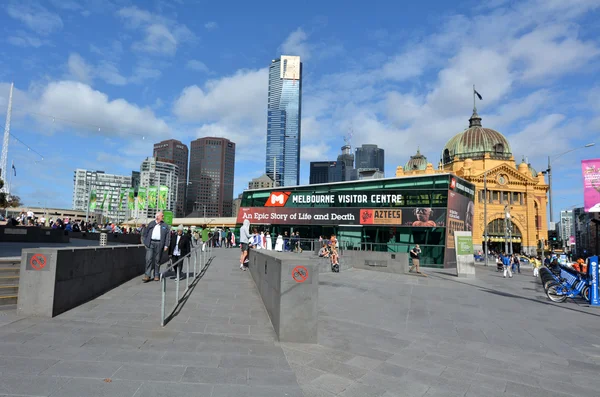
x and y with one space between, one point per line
593 270
591 185
465 261
464 245
572 240
415 217
299 199
461 211
37 262
168 219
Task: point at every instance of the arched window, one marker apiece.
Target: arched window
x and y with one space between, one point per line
446 156
497 226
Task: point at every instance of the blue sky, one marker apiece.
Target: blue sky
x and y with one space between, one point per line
98 82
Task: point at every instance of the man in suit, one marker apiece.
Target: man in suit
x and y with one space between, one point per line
180 247
156 237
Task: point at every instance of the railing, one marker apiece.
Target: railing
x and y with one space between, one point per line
201 259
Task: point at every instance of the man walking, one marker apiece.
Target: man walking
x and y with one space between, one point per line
180 246
244 241
415 254
157 238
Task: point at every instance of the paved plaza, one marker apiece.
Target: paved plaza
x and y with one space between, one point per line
380 334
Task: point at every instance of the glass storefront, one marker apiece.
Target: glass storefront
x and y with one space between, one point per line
390 214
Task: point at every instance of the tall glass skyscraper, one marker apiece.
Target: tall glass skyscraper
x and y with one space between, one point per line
283 120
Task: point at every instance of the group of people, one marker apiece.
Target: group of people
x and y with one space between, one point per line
329 249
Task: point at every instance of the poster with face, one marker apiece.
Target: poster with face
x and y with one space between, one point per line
461 212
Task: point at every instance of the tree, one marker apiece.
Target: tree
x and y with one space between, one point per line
8 200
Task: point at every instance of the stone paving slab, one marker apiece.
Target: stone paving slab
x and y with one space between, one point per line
381 335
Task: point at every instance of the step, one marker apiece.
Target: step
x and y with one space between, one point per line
9 280
9 290
9 271
8 300
10 262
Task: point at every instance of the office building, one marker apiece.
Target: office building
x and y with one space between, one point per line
566 226
369 156
106 189
346 160
263 181
211 177
283 120
325 172
359 174
176 152
158 173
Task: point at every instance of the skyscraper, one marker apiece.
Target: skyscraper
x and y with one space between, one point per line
346 159
106 189
369 156
212 165
159 172
325 172
283 120
175 151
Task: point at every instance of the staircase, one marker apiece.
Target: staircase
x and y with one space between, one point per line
9 281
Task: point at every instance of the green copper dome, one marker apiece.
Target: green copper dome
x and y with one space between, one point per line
418 162
475 142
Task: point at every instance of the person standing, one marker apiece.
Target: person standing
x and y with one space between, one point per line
244 241
228 241
180 246
156 238
516 263
279 243
204 237
415 254
536 265
506 263
268 241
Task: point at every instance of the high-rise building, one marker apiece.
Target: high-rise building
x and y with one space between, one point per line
346 160
369 156
212 166
159 173
176 152
262 182
325 172
107 188
283 120
566 226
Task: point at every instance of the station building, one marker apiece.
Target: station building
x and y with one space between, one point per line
391 214
483 157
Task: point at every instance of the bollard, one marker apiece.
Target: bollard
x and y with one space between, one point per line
593 269
103 239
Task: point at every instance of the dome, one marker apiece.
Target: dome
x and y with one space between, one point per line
418 162
475 142
526 168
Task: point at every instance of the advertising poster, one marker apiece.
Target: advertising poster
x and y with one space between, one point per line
141 199
163 194
152 196
591 185
102 202
121 194
409 217
461 211
168 217
93 200
131 199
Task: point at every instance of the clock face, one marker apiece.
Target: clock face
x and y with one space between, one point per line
502 179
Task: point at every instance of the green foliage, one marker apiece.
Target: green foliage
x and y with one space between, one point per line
8 200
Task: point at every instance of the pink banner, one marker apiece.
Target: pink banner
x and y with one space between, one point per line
591 185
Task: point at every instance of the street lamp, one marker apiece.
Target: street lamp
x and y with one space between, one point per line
549 172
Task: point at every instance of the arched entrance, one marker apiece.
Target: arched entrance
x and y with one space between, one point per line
498 237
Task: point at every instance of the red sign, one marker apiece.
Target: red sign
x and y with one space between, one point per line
277 199
300 274
453 183
38 262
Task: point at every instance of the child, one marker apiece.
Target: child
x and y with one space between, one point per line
537 263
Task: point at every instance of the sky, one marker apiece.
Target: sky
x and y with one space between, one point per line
98 82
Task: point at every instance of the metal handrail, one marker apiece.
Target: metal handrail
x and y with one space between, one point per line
198 267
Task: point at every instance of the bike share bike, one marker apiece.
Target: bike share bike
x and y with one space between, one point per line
561 282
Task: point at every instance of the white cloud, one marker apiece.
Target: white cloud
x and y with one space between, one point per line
35 17
314 152
296 44
22 39
197 66
109 72
161 36
78 69
95 110
240 97
212 25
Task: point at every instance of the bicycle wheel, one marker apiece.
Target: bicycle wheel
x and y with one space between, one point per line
548 283
586 293
556 292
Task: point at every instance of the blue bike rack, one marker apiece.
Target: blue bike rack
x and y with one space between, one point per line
594 298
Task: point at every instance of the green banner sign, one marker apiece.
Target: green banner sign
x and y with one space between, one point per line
142 198
168 217
163 194
152 196
93 200
121 194
131 199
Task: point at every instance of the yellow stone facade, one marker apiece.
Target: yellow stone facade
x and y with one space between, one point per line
518 189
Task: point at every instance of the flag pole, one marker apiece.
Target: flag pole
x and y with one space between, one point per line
474 103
